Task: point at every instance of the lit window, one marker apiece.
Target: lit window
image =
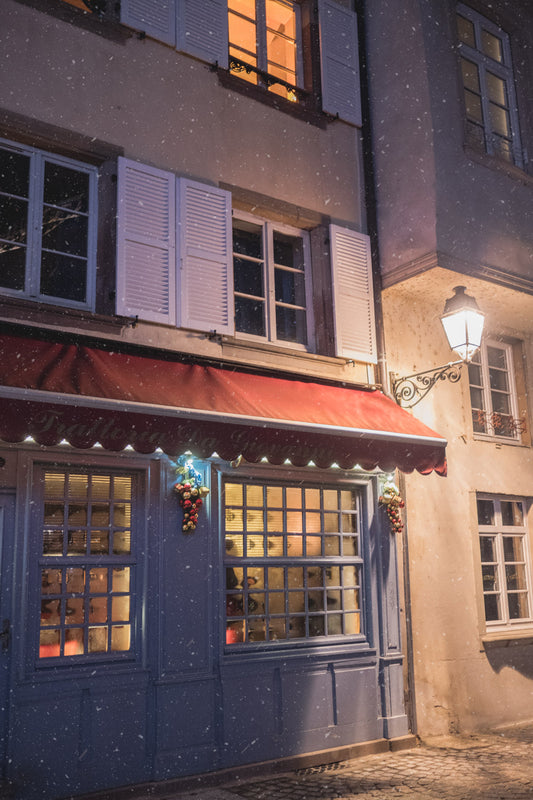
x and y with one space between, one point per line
272 289
505 562
491 115
47 227
265 44
86 564
293 565
492 391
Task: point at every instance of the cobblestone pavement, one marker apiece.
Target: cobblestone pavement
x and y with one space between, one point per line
495 766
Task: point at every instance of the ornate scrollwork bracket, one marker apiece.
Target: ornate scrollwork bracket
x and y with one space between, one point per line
410 389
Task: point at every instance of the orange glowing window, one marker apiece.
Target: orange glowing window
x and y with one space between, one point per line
265 44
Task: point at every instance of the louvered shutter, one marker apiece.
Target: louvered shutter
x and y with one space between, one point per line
353 297
156 18
146 243
202 30
339 58
205 258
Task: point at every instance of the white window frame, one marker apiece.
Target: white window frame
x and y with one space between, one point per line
268 229
504 71
261 41
499 531
38 158
491 431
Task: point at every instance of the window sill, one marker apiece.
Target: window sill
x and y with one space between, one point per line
234 345
499 440
297 110
508 638
499 165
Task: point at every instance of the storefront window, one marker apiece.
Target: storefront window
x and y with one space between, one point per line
293 565
86 564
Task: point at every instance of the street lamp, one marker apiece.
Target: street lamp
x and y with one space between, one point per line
463 324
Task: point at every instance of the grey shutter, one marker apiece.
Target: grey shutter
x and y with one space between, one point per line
339 58
202 30
146 243
353 296
205 258
156 18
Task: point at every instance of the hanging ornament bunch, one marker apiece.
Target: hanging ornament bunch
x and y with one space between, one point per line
390 498
191 493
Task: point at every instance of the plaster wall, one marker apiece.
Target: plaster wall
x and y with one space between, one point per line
168 109
462 682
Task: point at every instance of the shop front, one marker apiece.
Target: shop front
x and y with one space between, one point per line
196 571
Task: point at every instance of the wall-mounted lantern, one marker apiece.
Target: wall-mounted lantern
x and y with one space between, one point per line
463 324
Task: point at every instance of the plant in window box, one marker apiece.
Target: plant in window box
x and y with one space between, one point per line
191 493
390 498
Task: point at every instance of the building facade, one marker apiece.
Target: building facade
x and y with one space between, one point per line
452 124
196 570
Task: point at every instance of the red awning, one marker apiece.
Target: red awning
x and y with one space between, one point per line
84 395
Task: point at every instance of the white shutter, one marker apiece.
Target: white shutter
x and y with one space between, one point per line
146 243
202 30
339 58
353 296
205 283
156 18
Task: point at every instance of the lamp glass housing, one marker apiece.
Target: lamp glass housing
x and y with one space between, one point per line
463 323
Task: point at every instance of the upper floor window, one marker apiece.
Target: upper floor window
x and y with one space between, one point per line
267 43
492 391
182 261
293 562
272 289
505 561
47 227
489 95
265 35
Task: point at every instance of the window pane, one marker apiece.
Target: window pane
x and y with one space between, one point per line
499 120
485 512
242 34
512 513
248 240
515 576
492 608
466 31
248 277
491 45
488 548
65 232
64 277
13 221
496 357
250 316
291 325
290 287
496 89
490 578
66 187
470 76
518 606
473 107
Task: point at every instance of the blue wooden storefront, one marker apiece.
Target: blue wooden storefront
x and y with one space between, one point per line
181 700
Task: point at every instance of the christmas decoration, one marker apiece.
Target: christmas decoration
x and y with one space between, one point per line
393 502
191 493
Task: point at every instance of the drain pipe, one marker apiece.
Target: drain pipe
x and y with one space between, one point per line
382 368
